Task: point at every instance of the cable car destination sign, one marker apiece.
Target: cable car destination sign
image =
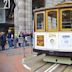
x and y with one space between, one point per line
4 4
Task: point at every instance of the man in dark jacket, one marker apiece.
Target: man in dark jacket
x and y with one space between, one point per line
3 40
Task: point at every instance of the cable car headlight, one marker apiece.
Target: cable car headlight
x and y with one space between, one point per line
52 41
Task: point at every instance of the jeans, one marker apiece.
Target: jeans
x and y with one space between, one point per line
3 47
10 42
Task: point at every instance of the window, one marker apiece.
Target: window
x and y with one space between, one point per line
40 21
52 20
24 6
66 20
24 0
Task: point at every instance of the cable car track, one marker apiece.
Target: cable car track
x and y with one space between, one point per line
53 67
36 64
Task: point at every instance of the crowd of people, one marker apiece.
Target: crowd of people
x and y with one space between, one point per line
6 38
13 42
23 39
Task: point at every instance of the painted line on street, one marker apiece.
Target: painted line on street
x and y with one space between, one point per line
27 67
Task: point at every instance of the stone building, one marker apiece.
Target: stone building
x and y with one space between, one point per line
23 16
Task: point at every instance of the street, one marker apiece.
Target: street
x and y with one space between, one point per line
11 60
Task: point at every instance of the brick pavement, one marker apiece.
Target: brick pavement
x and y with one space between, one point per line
10 60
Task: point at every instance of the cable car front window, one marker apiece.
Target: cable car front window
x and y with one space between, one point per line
67 19
52 20
40 21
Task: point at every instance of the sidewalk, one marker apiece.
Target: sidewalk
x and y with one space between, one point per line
11 60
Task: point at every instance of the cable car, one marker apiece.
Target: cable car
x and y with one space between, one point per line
53 30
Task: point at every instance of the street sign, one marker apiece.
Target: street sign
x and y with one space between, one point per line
4 4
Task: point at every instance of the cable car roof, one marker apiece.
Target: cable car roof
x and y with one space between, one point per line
60 5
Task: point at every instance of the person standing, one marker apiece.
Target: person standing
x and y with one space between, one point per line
0 42
20 40
3 40
10 39
15 41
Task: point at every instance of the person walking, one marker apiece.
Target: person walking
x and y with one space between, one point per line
3 40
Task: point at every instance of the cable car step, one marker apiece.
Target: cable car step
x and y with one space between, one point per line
56 59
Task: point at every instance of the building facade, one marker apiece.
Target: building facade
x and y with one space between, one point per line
5 21
51 3
23 16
